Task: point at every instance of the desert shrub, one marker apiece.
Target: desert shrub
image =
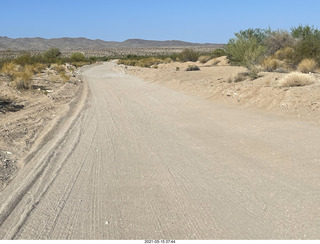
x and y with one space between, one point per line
58 68
192 68
80 63
285 54
127 62
25 58
277 40
177 68
148 62
145 62
271 64
204 58
247 48
64 76
188 55
307 65
52 54
77 57
219 52
240 77
308 43
38 68
296 79
253 72
10 69
167 60
23 78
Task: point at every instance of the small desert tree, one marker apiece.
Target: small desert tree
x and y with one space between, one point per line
247 48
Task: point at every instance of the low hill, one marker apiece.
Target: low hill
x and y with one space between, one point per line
82 43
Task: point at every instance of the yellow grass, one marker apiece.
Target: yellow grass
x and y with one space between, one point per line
307 65
296 79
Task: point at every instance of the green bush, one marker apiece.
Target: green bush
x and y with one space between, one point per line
218 53
245 51
77 57
25 58
52 54
188 55
308 43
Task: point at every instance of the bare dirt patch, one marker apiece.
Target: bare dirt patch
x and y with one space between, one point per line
216 81
27 115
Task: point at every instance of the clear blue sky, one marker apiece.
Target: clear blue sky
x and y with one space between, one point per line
118 20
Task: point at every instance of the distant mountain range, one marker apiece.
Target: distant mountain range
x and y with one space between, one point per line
66 43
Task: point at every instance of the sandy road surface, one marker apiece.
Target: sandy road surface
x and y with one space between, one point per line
144 162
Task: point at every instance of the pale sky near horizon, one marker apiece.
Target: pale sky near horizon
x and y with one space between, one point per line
195 21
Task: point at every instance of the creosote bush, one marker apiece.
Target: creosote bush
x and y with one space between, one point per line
255 46
188 55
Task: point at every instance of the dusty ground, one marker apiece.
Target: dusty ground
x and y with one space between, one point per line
26 116
141 161
212 82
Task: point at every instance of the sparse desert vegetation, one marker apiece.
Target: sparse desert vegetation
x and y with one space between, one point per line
192 68
296 79
271 70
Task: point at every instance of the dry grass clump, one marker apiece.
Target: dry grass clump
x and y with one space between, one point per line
296 79
23 79
20 75
271 64
58 68
238 78
192 68
10 69
64 76
307 65
38 68
168 60
204 58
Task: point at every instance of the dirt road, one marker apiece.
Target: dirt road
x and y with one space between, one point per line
144 162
